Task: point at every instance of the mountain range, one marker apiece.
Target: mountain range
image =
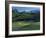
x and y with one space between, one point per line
26 9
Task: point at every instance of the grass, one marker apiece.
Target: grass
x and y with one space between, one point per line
23 25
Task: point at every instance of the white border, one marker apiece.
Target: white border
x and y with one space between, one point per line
25 32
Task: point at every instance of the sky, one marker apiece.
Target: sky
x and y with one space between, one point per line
26 9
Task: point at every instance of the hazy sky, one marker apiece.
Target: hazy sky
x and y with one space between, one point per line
26 9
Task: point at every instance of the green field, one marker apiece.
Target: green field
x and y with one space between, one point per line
22 21
24 25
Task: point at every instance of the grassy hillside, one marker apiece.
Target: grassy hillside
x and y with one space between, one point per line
22 25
